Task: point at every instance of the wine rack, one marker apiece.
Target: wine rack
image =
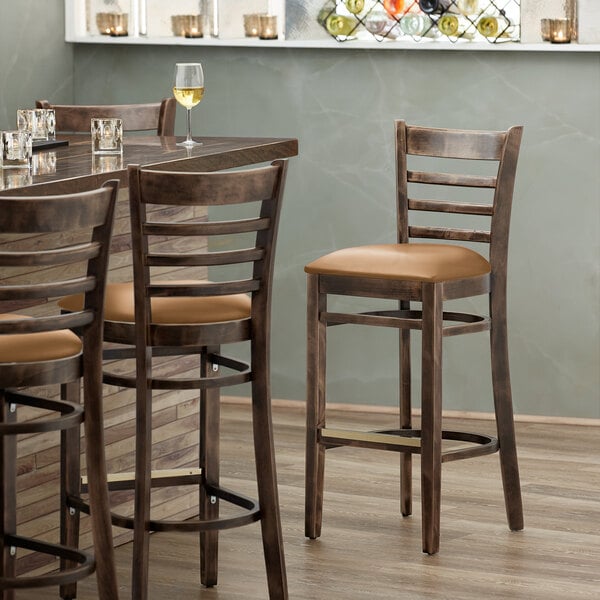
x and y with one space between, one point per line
494 21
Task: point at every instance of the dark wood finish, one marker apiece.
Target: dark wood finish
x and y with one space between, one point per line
152 196
155 116
76 169
85 263
502 148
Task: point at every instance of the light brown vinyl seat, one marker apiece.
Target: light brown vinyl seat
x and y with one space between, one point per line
190 317
50 350
153 116
413 272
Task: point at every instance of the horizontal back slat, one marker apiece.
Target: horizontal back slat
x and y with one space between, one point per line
61 256
443 233
51 213
47 289
462 208
243 286
208 189
445 143
205 259
157 116
40 324
212 228
451 179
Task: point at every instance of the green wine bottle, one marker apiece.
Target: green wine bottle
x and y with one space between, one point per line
340 25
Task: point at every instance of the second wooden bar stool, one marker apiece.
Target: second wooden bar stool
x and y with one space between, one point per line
429 274
173 312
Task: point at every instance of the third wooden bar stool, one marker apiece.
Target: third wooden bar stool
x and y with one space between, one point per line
429 274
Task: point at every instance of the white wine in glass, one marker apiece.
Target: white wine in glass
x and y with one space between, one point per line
188 89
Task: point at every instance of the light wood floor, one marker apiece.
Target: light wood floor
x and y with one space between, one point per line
368 551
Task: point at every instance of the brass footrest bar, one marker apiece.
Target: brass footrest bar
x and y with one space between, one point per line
86 563
158 478
409 440
251 516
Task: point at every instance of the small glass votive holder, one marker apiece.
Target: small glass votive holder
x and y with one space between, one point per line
267 27
107 136
251 25
13 178
103 22
34 120
118 23
178 25
560 31
193 26
545 29
16 149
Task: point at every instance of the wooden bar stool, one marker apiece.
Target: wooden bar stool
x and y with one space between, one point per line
65 251
157 116
429 274
172 309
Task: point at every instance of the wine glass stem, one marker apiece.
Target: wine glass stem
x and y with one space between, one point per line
189 125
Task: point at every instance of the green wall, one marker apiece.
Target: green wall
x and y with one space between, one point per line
35 60
341 105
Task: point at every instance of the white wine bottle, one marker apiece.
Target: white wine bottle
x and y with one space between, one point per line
491 26
415 24
455 26
468 7
355 6
434 6
340 25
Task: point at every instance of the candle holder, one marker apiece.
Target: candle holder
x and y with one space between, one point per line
252 24
560 31
545 29
118 24
103 22
193 26
267 27
178 25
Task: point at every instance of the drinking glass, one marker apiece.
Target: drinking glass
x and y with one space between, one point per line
188 89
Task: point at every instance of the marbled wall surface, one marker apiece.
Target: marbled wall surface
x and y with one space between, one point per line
35 60
341 105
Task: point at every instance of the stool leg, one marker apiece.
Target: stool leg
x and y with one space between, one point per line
70 477
315 408
8 475
106 576
209 463
264 451
504 408
143 459
431 420
405 418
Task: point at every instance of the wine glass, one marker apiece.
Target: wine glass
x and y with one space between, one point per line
188 89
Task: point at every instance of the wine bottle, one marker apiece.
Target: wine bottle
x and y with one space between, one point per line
340 25
434 6
393 7
492 27
455 26
355 6
415 24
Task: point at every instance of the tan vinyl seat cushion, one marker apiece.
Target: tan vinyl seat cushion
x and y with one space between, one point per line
405 262
37 347
119 306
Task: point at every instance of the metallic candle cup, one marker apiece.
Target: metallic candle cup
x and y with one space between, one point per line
193 26
267 27
545 29
251 25
118 24
560 31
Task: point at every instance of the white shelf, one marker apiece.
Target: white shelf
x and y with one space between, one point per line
332 44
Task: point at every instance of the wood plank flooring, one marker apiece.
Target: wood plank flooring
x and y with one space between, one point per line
368 551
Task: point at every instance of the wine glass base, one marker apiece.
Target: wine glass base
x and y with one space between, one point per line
189 143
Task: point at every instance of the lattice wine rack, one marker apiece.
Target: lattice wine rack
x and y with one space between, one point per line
493 21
